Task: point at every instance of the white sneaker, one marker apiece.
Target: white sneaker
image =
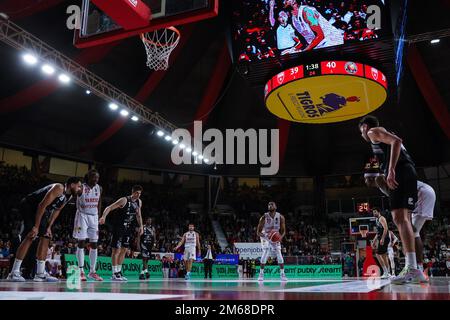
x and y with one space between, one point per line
409 274
15 277
261 277
283 277
117 277
385 275
44 277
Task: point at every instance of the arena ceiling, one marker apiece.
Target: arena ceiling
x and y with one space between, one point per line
41 115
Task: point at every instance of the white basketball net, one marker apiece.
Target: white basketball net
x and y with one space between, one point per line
159 44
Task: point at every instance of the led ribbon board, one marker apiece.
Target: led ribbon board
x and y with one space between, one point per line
326 92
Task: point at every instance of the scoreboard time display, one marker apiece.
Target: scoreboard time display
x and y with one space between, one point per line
326 92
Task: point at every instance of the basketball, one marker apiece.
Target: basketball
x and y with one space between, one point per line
274 236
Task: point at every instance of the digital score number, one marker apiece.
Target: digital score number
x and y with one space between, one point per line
311 70
363 207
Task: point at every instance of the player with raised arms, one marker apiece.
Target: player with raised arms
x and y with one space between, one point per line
317 31
286 37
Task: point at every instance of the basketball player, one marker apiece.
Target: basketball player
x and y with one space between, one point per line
383 241
129 210
269 222
191 241
393 240
317 31
423 210
146 242
286 37
39 211
401 179
86 223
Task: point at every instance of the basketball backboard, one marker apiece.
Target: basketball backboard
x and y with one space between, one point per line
97 26
363 223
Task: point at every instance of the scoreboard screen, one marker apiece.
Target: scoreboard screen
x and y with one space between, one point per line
263 29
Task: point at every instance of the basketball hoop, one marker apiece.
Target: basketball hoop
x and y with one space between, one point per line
364 230
364 233
159 44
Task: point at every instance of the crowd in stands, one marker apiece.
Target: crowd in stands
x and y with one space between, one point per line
256 37
168 207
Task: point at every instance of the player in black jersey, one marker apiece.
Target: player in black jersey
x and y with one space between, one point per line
401 178
128 211
383 239
146 242
39 211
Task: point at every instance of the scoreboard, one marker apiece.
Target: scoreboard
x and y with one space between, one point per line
326 91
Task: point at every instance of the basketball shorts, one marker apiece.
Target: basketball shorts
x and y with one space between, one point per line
85 227
189 253
405 195
268 245
417 222
390 252
382 249
146 249
28 214
121 237
425 203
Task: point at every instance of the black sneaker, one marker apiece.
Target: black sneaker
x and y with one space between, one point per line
147 275
141 276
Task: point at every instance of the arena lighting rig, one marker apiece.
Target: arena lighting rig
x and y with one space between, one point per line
36 51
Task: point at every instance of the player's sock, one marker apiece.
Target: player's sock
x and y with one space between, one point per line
93 259
420 267
386 270
144 271
282 272
411 260
114 269
80 257
40 266
16 266
119 268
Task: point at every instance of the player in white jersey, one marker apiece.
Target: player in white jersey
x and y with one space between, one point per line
269 222
423 210
393 241
86 223
286 37
317 31
191 241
